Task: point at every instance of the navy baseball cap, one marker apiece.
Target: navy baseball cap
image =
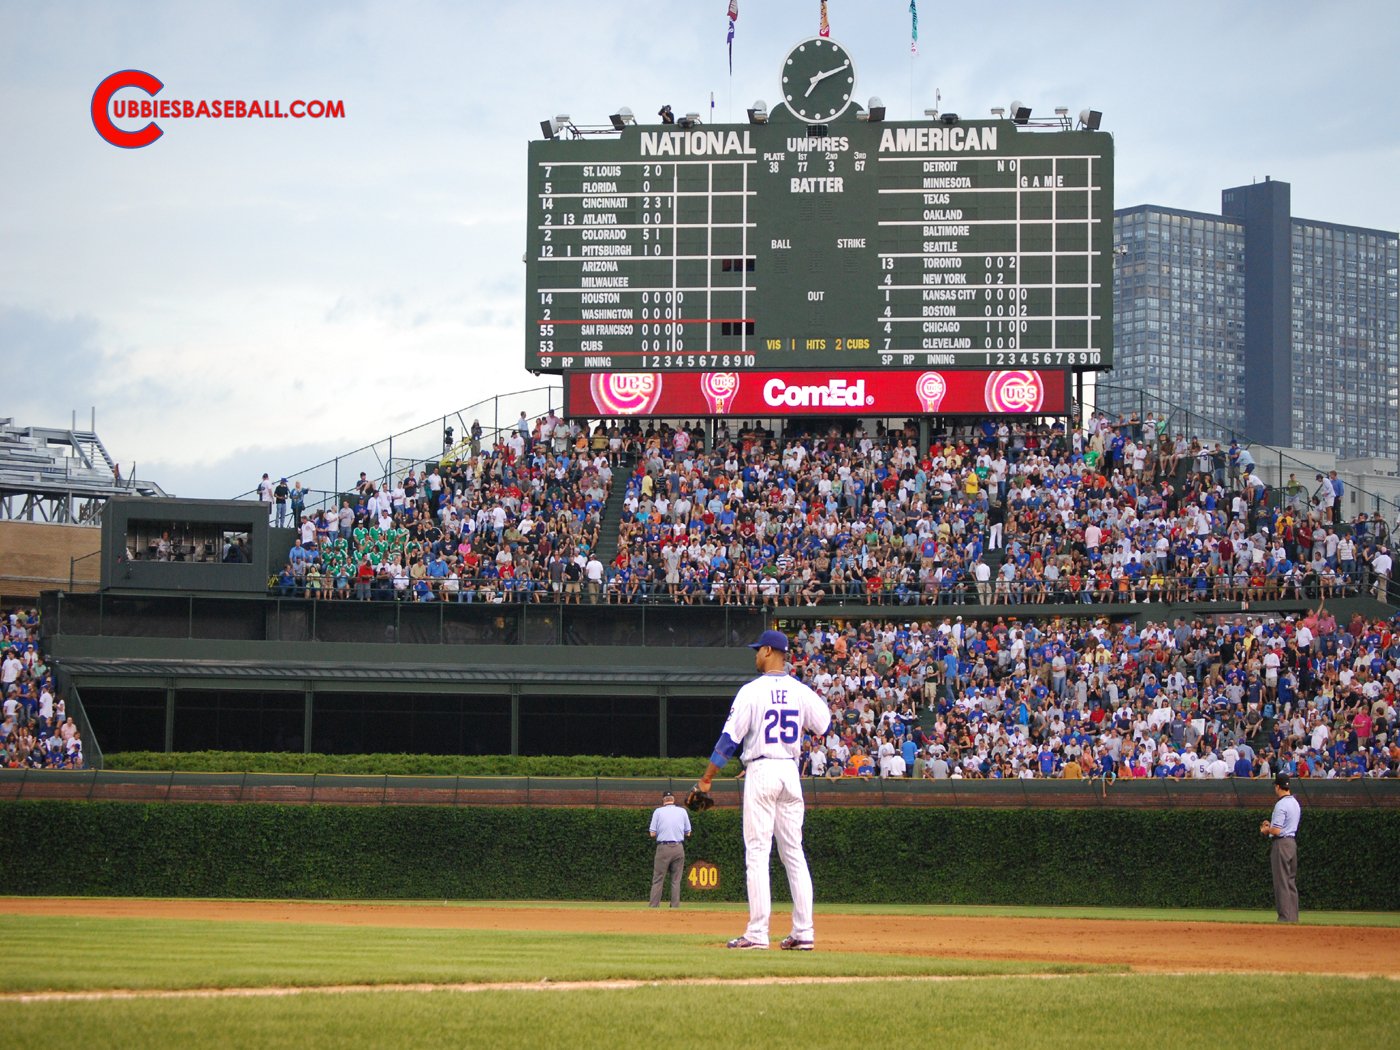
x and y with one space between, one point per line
773 639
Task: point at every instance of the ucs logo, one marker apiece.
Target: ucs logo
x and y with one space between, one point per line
720 389
1022 392
625 393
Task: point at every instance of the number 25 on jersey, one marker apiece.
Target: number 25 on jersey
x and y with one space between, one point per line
781 726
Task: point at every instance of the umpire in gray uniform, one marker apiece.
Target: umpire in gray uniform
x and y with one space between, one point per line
670 824
1282 828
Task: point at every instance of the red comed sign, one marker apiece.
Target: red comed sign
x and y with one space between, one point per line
913 392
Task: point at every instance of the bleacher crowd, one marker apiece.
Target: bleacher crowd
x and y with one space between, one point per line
1224 696
36 731
986 514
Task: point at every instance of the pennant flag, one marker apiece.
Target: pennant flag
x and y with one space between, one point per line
733 17
914 27
825 28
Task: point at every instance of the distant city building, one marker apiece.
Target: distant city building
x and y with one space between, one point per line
1281 329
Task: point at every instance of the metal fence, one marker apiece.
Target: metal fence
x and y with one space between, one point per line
639 793
393 456
1273 463
170 616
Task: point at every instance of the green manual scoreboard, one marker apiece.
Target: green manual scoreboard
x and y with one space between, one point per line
821 239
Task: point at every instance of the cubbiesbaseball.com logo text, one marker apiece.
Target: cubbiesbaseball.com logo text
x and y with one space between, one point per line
107 108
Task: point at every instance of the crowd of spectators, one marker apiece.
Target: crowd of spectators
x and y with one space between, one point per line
1116 513
986 514
512 522
36 731
1225 696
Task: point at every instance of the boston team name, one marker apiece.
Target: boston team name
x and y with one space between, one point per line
695 143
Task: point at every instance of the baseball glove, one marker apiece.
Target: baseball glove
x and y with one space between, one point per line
698 801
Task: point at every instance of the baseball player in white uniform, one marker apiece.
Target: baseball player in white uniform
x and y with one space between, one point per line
765 728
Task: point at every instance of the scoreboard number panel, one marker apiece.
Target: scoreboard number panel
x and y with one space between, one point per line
799 244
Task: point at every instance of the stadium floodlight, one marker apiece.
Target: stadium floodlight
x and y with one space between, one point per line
949 118
1090 119
1020 114
622 118
551 128
1062 116
690 120
758 112
999 112
932 114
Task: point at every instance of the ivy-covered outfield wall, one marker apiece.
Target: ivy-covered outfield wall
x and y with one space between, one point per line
1178 858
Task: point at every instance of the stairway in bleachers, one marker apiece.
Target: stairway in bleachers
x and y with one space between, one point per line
612 514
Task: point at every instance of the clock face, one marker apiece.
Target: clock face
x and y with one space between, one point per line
817 80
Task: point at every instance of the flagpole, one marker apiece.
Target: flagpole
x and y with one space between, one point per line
733 13
913 49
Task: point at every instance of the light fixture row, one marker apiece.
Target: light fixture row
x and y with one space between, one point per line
874 112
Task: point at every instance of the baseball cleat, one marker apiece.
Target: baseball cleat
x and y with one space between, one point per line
745 943
792 944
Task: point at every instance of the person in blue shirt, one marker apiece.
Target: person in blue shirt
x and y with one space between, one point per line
909 749
670 827
1282 829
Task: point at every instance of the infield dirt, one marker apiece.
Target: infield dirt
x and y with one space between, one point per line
1143 946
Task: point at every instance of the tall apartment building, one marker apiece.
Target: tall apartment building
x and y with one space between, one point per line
1281 329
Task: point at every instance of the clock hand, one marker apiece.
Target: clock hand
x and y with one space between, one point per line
817 78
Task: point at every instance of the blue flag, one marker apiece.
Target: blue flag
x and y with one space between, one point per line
733 17
914 26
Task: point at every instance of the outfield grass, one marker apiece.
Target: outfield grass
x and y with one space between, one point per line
1124 1012
72 953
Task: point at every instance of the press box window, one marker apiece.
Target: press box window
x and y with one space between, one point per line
185 541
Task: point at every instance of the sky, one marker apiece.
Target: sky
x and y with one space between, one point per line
249 296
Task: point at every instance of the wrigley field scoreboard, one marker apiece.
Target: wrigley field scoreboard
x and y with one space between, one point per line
820 241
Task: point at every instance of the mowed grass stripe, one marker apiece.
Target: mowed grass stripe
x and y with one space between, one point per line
1122 1011
57 953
